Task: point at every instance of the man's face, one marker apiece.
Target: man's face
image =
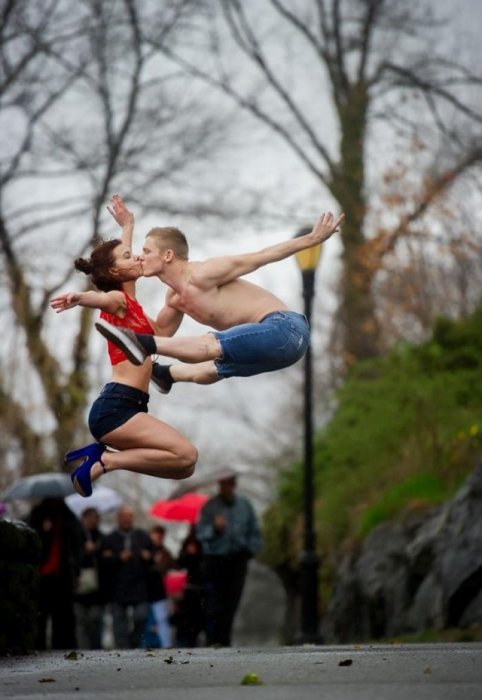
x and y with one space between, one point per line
125 518
152 259
227 487
90 519
157 537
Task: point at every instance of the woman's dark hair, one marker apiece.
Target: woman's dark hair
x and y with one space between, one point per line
99 266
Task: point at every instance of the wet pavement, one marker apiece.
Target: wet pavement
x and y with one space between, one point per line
395 672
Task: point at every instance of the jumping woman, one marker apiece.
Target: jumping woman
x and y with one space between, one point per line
118 418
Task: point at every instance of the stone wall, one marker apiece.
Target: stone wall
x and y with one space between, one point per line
422 572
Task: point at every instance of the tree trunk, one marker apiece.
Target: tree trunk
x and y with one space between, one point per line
357 309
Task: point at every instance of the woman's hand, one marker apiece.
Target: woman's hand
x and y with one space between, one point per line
65 301
120 212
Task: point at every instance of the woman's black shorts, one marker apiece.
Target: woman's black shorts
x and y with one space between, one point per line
116 404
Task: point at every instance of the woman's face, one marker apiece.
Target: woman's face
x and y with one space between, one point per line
127 266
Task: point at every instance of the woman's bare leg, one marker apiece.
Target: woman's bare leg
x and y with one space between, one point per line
147 446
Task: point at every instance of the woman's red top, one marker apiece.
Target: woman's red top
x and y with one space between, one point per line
135 319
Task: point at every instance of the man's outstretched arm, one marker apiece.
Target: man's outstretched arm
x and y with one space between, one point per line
219 271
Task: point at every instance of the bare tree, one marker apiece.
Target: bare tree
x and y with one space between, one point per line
89 109
349 86
436 272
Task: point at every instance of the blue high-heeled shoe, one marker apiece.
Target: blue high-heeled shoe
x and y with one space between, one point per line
81 476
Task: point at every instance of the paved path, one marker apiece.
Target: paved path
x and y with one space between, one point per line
412 672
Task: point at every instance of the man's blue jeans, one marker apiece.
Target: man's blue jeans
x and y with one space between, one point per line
279 340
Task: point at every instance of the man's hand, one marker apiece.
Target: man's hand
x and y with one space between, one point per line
220 523
126 555
64 302
120 212
90 547
325 227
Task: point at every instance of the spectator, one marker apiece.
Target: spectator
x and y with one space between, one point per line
61 538
162 561
191 607
90 596
230 536
128 552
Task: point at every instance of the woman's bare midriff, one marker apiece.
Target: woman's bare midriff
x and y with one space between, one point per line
137 377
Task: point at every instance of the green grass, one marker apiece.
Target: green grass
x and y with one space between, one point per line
421 489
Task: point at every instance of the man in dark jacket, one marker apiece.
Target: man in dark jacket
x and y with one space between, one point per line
128 553
230 536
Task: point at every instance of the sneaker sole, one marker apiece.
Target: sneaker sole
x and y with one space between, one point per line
133 351
159 388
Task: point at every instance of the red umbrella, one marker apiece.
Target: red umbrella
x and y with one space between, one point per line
183 509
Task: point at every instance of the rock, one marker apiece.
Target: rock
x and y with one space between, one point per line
414 574
19 557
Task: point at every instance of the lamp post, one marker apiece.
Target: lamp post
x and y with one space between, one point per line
307 261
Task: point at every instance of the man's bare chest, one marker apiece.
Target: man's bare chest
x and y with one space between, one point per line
199 304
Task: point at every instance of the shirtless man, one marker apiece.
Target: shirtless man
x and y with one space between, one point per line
255 332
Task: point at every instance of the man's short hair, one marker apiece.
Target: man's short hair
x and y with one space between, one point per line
89 511
231 480
170 238
159 528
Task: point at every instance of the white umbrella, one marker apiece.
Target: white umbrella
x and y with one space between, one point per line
103 499
37 486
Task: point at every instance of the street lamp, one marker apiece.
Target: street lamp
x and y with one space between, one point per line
307 260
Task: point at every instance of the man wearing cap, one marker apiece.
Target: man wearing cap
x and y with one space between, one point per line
229 533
